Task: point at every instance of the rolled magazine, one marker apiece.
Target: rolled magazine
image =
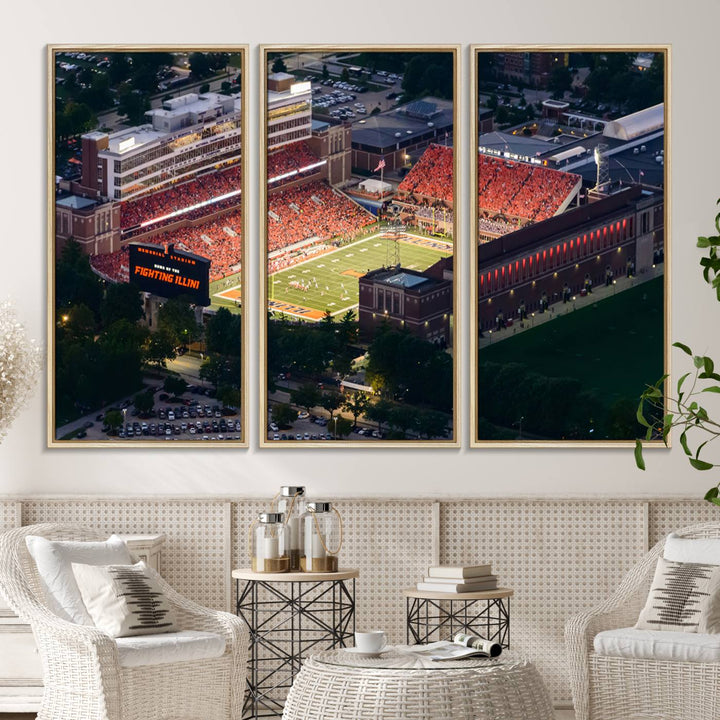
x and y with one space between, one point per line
462 646
485 647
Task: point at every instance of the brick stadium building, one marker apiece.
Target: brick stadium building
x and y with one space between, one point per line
93 224
290 126
544 258
421 302
187 136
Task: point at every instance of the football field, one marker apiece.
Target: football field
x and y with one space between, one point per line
329 282
227 292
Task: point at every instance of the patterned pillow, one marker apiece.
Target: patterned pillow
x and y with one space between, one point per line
684 597
124 600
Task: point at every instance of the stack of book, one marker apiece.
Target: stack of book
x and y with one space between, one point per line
458 579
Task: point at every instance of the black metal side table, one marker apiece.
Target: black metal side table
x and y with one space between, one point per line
438 615
289 615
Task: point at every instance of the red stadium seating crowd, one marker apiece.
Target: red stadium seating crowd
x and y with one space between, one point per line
290 157
210 239
520 190
432 175
312 210
199 189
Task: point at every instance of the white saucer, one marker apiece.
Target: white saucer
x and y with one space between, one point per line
359 653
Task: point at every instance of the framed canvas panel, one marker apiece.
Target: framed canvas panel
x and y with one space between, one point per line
359 225
570 215
146 256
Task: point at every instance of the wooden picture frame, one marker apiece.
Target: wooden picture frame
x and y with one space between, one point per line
339 162
146 164
599 141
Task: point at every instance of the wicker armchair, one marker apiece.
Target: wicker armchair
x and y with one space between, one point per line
614 688
81 671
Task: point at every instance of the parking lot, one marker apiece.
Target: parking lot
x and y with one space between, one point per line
313 428
351 101
189 417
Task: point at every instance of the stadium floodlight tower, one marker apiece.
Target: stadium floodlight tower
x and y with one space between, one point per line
392 250
602 181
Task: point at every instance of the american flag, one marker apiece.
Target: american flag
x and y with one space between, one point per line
380 165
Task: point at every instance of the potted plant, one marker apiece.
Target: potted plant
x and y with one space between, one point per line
660 411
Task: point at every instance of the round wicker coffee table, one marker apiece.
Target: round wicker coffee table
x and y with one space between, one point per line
341 685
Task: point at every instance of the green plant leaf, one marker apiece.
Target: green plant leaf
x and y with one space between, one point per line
698 361
712 388
712 493
709 376
682 380
715 501
684 443
703 242
641 416
701 414
683 347
639 461
701 464
708 364
667 426
700 447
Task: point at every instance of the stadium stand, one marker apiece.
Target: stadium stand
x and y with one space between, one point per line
312 210
177 197
289 158
431 176
219 239
519 190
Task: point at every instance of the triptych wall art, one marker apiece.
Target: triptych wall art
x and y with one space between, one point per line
360 245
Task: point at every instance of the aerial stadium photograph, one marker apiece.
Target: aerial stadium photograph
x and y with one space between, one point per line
359 173
569 272
146 245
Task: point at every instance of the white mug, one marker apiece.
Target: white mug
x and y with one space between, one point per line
372 641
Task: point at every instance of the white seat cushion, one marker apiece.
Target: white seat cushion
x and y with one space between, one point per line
692 550
658 645
169 648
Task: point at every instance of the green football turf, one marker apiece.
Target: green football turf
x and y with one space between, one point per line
614 346
231 281
328 288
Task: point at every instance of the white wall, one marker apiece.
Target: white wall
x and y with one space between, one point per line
26 466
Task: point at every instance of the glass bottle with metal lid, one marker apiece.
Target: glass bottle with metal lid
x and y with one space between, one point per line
269 546
322 537
291 501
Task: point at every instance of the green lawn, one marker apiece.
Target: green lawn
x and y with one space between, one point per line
328 288
614 346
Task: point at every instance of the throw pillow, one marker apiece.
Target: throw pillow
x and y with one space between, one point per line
124 600
692 550
684 597
53 559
